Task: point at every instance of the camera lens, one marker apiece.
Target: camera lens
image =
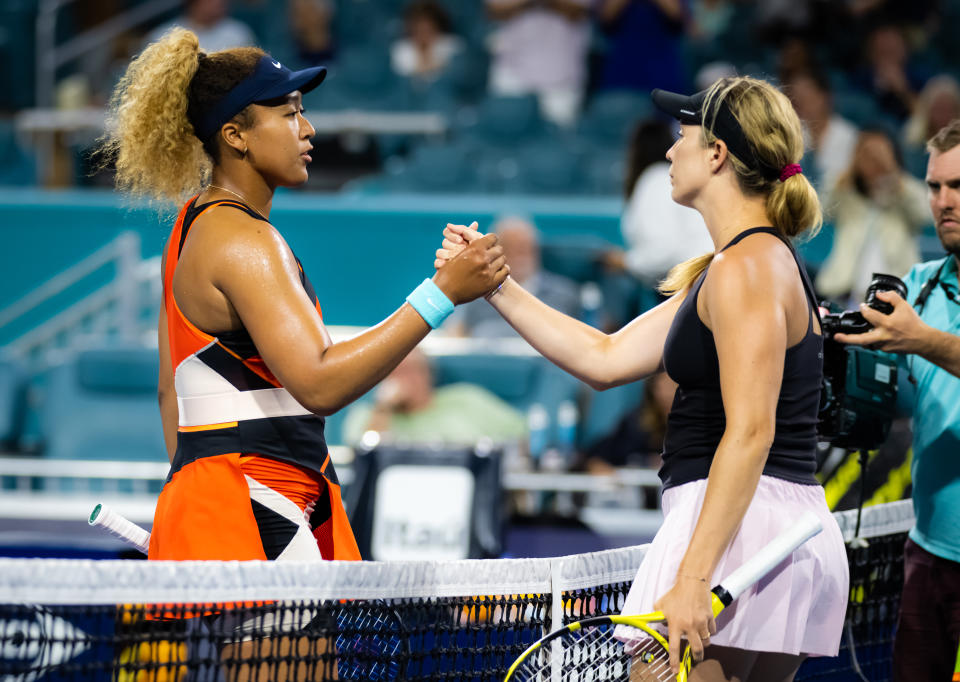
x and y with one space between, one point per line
881 282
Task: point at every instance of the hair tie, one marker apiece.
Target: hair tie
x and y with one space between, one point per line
789 171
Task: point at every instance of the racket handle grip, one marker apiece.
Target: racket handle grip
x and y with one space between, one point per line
772 554
115 524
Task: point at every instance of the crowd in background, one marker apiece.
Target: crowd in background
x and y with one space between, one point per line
872 80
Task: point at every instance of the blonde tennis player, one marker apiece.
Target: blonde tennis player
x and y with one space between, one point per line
741 337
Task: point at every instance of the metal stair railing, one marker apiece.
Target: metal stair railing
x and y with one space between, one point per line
114 308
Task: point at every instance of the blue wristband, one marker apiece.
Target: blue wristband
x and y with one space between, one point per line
432 304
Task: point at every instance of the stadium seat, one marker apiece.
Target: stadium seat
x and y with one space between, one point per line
507 121
361 79
604 409
611 116
575 256
815 251
551 168
440 168
13 397
857 107
605 172
102 404
361 22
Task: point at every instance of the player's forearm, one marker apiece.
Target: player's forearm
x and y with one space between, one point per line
349 369
942 349
572 345
732 482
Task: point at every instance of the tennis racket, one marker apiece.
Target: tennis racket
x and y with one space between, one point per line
629 648
115 524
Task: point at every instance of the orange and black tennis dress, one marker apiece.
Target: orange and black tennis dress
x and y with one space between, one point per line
252 477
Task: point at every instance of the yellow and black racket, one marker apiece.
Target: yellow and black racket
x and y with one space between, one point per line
629 648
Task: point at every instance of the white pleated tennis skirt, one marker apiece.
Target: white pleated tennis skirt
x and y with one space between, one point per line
797 608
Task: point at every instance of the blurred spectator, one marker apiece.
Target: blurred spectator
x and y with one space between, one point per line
407 406
429 44
777 20
645 43
638 438
540 46
877 211
830 137
210 20
709 19
658 231
937 105
521 247
311 25
888 74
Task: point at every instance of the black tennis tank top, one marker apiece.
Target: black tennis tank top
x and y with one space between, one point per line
696 421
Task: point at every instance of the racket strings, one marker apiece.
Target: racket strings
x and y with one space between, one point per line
598 654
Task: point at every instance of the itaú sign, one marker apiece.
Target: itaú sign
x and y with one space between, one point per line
422 512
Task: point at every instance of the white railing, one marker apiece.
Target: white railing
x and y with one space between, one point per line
113 309
51 56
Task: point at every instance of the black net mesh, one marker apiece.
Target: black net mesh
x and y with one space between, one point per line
876 579
414 636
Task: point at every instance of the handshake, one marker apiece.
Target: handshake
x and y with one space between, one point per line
469 264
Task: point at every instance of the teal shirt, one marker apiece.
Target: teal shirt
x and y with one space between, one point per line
936 421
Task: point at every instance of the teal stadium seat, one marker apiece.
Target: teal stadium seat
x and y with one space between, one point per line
361 79
359 23
611 116
102 404
441 168
604 410
576 257
506 122
13 401
552 168
814 251
857 107
605 171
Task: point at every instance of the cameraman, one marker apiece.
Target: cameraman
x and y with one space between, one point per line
924 329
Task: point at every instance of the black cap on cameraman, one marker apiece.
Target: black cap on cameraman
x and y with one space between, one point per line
688 109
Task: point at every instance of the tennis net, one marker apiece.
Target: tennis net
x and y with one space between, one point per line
463 620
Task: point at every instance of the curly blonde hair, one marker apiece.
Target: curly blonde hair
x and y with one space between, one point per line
773 130
151 137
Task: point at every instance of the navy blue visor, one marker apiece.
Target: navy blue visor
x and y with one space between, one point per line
269 80
688 109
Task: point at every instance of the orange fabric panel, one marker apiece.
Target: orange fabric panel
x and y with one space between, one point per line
299 485
335 537
185 338
204 512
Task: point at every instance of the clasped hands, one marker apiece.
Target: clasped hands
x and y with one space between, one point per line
466 242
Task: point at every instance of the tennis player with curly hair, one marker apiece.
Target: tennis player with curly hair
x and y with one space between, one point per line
740 334
247 369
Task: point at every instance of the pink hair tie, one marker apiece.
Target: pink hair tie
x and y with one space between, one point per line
790 170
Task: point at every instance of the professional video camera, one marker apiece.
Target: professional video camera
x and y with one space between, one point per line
859 393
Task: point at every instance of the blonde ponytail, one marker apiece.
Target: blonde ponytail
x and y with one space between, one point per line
684 274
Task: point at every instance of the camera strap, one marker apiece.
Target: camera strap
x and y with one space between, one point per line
929 286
